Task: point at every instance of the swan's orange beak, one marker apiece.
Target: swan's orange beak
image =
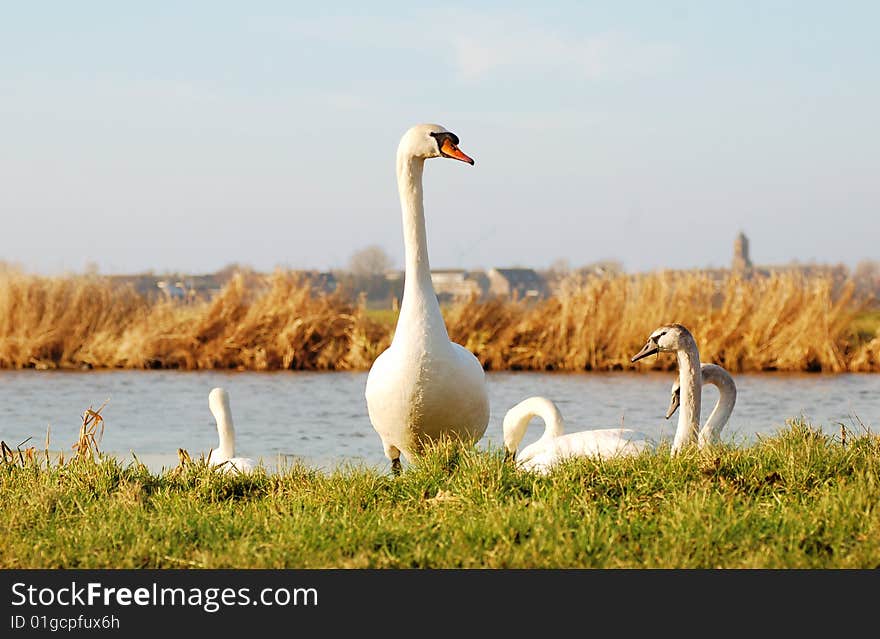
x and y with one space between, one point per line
449 150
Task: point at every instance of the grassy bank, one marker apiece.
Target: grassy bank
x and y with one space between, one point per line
786 322
801 499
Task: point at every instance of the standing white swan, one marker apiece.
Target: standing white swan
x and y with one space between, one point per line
713 374
218 402
675 338
423 386
554 445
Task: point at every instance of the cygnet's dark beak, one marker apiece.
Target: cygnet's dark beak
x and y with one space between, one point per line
673 404
648 349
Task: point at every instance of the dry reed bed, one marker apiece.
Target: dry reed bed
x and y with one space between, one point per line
787 322
76 322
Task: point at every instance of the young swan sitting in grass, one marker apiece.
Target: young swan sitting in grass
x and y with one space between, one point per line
224 455
554 445
713 374
675 338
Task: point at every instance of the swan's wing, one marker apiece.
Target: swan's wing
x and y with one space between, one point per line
379 373
412 396
605 442
386 397
240 465
539 461
532 450
469 364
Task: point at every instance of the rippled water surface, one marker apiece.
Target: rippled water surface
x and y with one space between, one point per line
322 417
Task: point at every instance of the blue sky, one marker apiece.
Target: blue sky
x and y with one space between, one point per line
188 135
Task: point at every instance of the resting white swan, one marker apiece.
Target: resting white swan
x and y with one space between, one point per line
713 374
423 386
554 445
675 338
218 402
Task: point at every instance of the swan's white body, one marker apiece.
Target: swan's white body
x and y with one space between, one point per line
224 455
677 339
713 374
554 445
423 386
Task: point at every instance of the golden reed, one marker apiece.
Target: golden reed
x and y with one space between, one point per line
787 322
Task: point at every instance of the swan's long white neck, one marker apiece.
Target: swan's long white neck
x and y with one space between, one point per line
420 307
517 421
720 415
226 431
691 384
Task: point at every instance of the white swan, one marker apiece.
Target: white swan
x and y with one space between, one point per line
675 338
423 386
218 402
554 445
713 374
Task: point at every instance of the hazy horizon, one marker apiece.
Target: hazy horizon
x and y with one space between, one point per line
185 138
561 266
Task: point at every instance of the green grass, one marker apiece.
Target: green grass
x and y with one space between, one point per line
866 325
801 499
385 316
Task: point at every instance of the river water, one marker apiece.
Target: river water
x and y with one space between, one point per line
321 418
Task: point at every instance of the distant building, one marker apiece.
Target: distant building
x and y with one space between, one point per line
742 265
519 283
458 283
175 291
742 262
321 281
170 285
180 286
450 284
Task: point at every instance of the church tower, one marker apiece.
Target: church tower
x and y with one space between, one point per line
742 263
